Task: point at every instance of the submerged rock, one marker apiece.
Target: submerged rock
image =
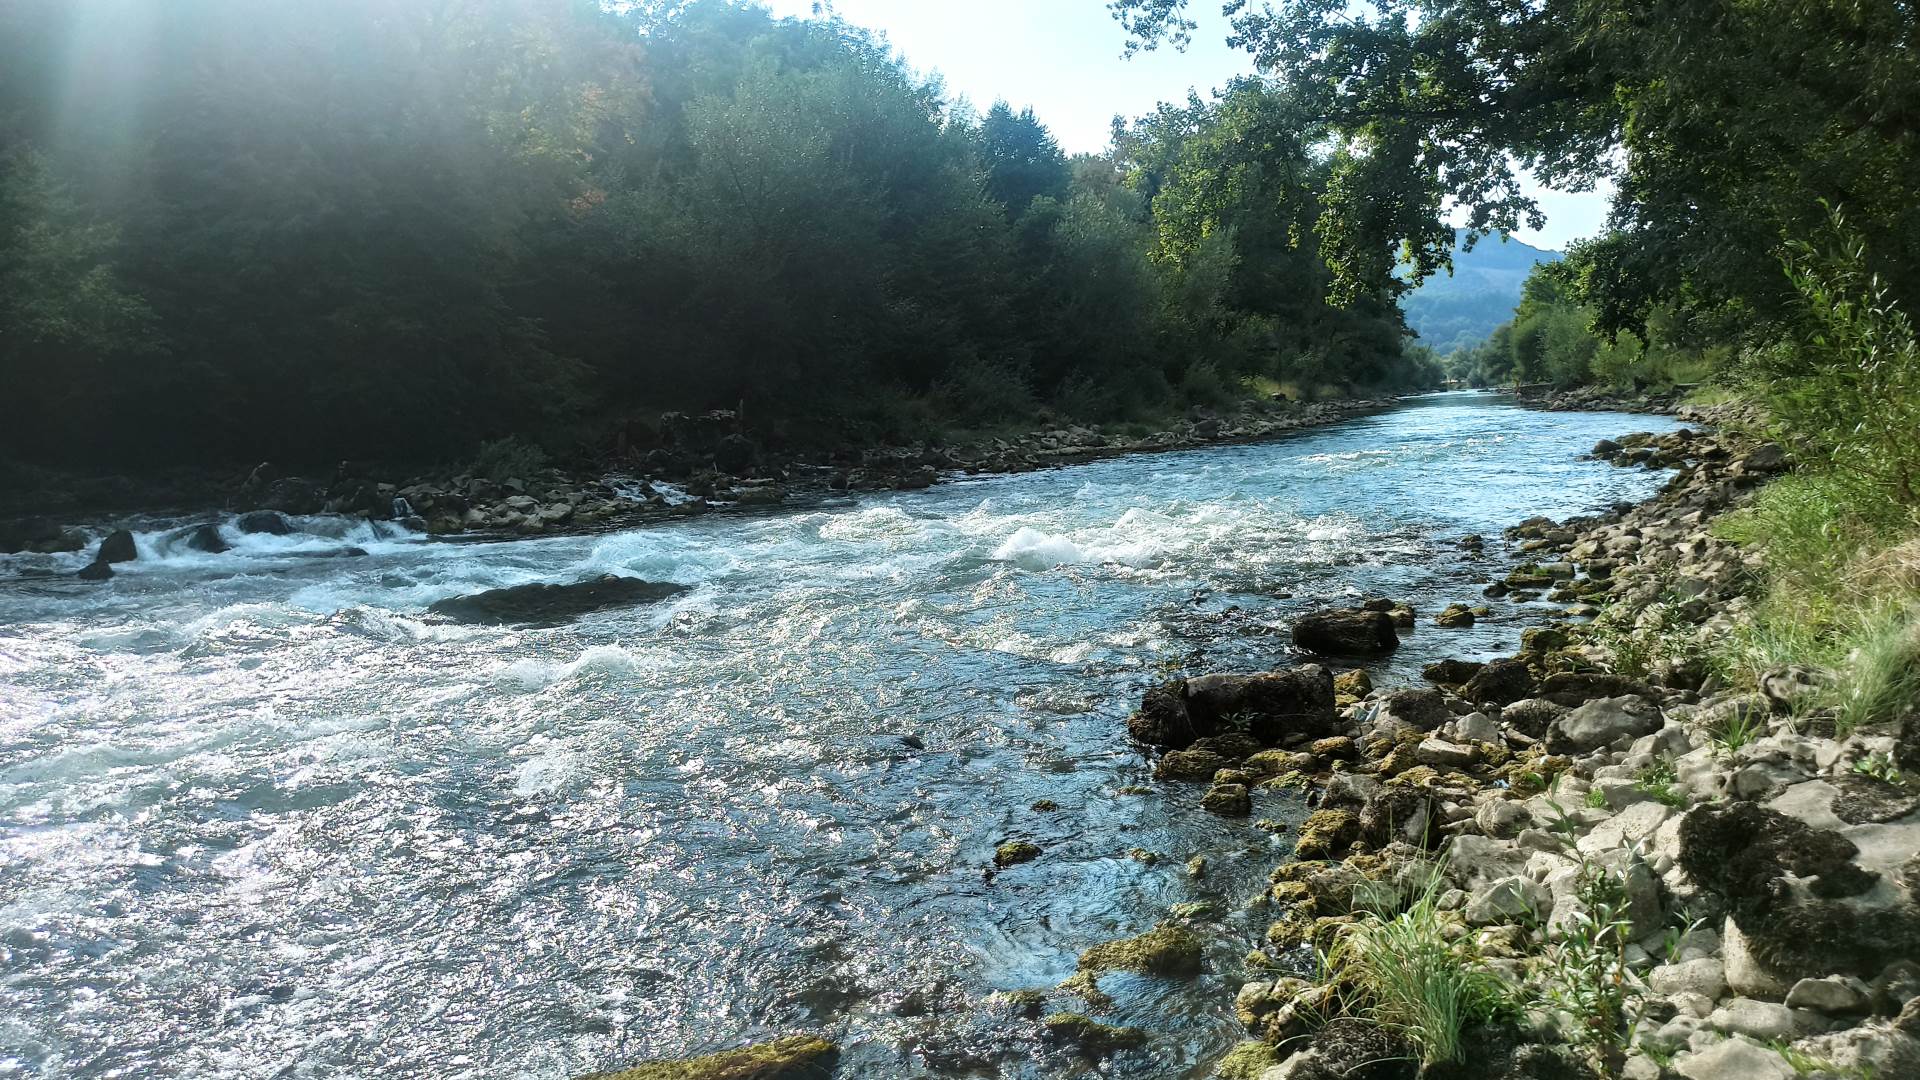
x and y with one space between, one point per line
97 571
549 605
1089 1034
791 1057
1346 632
1015 852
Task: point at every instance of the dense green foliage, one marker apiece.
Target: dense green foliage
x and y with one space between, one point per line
274 228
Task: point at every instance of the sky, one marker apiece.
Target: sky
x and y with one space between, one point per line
1064 58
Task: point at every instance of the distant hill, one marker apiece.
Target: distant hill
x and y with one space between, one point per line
1460 311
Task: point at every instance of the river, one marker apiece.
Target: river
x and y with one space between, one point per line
261 816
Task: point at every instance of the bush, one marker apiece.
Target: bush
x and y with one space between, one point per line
1849 396
980 392
1203 385
508 458
1410 975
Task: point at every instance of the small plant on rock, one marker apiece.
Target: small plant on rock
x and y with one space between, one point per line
1740 727
1587 974
1402 966
1658 781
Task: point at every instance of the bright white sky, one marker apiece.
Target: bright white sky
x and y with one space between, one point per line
1063 57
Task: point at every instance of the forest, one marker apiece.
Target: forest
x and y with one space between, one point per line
232 231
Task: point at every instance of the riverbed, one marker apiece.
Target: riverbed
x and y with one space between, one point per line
261 815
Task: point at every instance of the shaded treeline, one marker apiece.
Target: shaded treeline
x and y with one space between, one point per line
233 229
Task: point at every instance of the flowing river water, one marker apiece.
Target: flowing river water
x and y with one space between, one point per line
262 816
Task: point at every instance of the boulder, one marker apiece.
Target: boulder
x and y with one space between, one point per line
1531 716
270 522
1454 615
1734 1059
1270 705
1512 899
1423 709
1451 672
1600 722
1500 682
95 571
293 495
1571 688
205 538
1227 800
1804 907
1161 719
1346 632
117 547
550 605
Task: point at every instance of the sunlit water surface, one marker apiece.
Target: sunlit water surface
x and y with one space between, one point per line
260 816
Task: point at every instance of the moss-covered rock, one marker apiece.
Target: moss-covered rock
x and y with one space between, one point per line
1019 1002
791 1057
1091 1035
1167 949
1325 833
1228 800
1015 852
1246 1061
1355 682
1454 615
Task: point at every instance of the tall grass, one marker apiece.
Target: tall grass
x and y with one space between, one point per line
1399 965
1842 588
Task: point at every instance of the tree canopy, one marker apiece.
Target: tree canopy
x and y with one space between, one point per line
236 229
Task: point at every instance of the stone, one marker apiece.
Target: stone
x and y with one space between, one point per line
1835 995
1476 727
1444 755
1454 615
1354 682
1451 672
117 547
1761 1020
1015 852
1502 818
1346 632
1270 706
551 605
1229 800
1706 977
1088 1034
1734 1059
1600 722
1515 898
1191 764
1745 975
95 571
1500 683
205 538
1474 861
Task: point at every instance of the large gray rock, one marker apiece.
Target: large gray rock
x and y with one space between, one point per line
1510 899
1734 1059
1600 722
1706 976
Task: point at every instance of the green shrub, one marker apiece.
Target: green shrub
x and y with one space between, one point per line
979 392
1401 967
508 458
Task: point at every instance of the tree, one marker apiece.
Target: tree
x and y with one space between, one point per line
1023 162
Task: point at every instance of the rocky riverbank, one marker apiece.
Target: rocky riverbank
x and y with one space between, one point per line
1604 865
683 466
